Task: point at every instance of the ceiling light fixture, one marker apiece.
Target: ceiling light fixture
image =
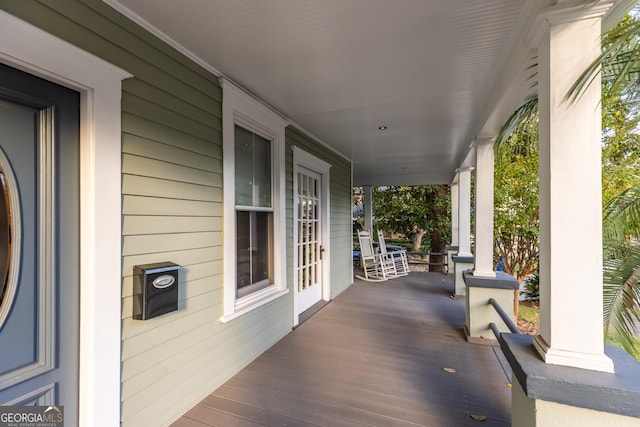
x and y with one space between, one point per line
383 127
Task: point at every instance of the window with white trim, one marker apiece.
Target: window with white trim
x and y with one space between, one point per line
254 212
254 217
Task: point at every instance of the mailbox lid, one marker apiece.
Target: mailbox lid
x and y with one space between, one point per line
156 267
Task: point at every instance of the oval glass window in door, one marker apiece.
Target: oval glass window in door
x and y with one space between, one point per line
9 236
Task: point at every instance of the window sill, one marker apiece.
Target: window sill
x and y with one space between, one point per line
253 301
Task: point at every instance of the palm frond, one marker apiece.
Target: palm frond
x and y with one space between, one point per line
619 61
621 215
621 297
524 113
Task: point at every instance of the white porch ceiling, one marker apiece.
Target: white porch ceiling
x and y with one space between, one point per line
428 70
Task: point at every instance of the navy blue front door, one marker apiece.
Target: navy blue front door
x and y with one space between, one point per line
39 241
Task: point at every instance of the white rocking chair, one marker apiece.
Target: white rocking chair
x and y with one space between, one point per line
400 258
377 267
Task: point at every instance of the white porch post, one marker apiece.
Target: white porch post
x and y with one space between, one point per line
484 209
368 208
571 332
463 261
454 214
464 212
483 284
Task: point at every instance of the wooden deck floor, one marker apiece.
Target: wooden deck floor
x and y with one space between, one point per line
375 356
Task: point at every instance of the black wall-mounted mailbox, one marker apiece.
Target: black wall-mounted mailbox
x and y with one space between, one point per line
155 289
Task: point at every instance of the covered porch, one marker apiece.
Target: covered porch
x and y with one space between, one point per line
376 355
354 93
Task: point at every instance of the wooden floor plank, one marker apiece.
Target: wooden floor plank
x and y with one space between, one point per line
322 411
218 418
188 422
375 356
358 406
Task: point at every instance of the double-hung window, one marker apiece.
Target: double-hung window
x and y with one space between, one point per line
254 218
254 212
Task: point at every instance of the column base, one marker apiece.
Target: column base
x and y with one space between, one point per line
551 395
553 356
484 273
451 251
479 313
460 264
481 340
527 412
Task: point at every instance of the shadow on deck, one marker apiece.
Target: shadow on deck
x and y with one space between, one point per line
375 356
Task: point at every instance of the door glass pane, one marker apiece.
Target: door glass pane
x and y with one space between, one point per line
5 235
309 233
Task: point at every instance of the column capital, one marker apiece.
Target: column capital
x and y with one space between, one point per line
485 140
563 12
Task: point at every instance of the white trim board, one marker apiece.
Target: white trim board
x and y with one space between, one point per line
30 49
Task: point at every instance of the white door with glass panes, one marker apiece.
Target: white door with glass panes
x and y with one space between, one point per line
309 250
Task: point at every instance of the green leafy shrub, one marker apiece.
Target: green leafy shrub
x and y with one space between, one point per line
532 287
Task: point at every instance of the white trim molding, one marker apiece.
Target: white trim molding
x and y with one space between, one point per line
30 49
241 108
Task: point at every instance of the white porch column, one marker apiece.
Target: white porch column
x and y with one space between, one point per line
464 212
368 208
570 198
454 214
484 209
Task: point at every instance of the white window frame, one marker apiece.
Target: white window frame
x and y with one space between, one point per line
240 108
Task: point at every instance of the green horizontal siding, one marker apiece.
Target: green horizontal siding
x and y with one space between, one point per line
172 210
